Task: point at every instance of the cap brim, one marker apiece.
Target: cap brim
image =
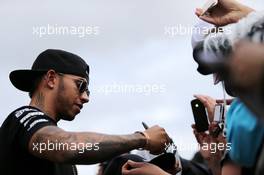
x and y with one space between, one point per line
24 79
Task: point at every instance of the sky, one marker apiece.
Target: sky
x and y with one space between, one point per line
140 58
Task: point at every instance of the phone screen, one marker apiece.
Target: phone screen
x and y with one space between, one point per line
200 116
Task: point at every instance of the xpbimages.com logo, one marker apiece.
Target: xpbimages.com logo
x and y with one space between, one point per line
60 30
59 146
209 147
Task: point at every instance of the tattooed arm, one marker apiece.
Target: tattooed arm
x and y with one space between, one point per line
89 147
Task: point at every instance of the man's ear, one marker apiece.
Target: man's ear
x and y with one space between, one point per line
51 78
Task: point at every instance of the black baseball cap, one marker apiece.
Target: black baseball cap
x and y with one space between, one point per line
57 60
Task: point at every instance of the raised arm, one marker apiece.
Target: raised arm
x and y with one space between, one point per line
89 147
225 12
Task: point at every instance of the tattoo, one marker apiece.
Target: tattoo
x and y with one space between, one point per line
51 143
81 147
109 146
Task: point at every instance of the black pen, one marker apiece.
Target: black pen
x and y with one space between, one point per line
145 125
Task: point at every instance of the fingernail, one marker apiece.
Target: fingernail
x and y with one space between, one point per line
130 161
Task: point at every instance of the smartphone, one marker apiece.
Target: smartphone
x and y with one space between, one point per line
200 115
208 5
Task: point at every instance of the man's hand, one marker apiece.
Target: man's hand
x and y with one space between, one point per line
212 155
224 13
157 140
141 168
209 103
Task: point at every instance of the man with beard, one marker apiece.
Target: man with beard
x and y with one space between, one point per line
31 142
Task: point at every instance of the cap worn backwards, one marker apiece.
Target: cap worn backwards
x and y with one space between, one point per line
57 60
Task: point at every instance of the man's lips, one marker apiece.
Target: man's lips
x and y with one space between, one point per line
79 105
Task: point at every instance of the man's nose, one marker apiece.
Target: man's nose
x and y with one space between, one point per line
85 97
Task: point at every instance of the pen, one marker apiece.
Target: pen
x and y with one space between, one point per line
145 125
